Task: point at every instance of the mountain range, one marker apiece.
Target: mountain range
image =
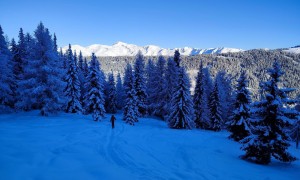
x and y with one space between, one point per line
124 49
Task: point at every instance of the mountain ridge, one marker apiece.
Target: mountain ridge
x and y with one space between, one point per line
124 49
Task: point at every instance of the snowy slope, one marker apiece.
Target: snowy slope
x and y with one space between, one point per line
293 50
124 49
74 147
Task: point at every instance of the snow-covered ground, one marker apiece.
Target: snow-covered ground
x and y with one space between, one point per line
74 147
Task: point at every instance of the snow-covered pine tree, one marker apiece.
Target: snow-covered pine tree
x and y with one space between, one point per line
272 117
130 114
182 112
159 88
239 126
81 77
72 89
140 84
111 95
120 93
215 109
200 101
94 98
75 58
171 77
16 67
150 78
225 94
5 72
177 58
80 61
46 83
85 68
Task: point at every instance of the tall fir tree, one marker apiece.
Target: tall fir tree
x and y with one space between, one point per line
111 95
140 86
5 75
225 94
120 93
150 78
47 86
201 100
130 113
182 112
158 96
94 98
215 109
272 117
171 77
72 89
239 126
177 58
55 48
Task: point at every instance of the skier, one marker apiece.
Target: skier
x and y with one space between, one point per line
112 120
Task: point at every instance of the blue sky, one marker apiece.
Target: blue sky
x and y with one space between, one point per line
167 23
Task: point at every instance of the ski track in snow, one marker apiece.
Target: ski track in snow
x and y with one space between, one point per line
74 147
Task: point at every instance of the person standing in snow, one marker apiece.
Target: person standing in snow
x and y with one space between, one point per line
112 120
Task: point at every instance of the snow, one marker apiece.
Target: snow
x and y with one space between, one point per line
70 146
295 50
124 49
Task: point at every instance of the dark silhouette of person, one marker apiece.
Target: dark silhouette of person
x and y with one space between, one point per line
112 120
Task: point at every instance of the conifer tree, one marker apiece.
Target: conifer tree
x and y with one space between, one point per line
240 120
182 112
200 101
5 72
45 84
272 117
159 90
72 89
171 77
177 58
94 98
140 87
130 114
225 94
215 109
111 95
120 93
150 78
55 43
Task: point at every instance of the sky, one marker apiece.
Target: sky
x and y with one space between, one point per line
244 24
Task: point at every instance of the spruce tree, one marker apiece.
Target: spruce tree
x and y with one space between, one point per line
272 117
215 109
130 113
111 95
150 78
225 94
120 93
140 86
159 89
200 101
240 120
72 89
5 72
94 98
182 112
177 58
171 77
45 83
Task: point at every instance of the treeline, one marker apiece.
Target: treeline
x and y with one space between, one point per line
254 62
35 76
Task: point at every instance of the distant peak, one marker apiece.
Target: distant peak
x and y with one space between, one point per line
119 43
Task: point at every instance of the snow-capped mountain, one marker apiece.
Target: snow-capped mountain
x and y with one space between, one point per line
124 49
295 49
